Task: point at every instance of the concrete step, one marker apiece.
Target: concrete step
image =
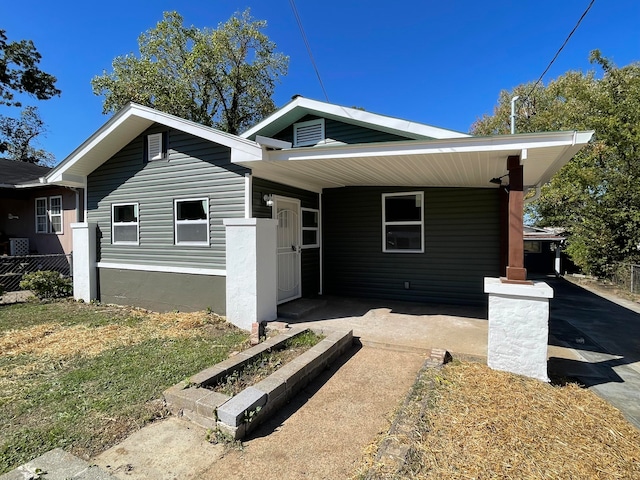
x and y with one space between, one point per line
300 308
57 465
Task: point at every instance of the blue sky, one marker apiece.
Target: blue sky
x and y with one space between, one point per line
437 62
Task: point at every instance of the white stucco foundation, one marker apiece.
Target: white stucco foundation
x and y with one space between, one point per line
251 271
85 286
518 327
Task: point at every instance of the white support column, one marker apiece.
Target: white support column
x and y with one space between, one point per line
518 327
252 282
557 265
85 285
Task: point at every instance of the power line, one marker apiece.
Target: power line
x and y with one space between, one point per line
584 14
306 42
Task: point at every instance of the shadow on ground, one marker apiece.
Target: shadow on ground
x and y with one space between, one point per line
302 397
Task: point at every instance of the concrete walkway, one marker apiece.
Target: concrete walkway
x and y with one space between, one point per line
320 434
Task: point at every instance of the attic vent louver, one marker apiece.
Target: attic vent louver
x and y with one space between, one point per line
154 146
308 133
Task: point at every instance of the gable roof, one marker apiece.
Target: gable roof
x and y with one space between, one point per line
125 126
14 174
299 107
535 233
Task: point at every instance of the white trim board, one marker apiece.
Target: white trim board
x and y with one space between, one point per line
163 269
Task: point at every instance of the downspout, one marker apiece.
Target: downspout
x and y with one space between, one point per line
513 114
535 196
320 243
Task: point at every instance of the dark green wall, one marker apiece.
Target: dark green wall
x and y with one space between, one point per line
162 292
195 168
310 256
462 245
343 132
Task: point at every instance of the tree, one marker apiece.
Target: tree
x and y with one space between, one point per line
596 196
17 137
19 72
223 77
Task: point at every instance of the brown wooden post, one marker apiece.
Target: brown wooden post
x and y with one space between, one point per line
503 195
516 273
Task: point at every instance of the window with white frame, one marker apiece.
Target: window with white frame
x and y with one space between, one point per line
49 214
125 224
191 221
310 228
156 147
403 222
308 133
55 214
42 217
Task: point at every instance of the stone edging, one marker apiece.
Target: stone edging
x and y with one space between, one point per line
238 415
392 450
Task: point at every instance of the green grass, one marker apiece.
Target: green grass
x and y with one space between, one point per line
86 404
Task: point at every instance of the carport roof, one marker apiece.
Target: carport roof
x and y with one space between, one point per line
452 162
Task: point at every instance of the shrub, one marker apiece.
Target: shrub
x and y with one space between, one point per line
47 284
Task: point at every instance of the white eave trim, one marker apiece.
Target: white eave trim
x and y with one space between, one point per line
241 148
272 143
397 125
163 268
505 143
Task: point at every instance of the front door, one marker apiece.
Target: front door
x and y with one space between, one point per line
287 212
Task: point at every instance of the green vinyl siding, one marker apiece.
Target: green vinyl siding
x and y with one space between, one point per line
310 257
263 187
342 132
195 168
462 246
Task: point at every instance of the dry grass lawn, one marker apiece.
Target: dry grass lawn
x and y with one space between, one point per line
83 377
470 422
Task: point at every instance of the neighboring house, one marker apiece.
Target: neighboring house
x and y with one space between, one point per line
543 251
366 206
34 216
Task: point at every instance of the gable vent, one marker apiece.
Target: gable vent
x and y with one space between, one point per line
308 133
154 146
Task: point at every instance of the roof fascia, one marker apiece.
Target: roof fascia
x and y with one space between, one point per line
389 124
455 145
241 149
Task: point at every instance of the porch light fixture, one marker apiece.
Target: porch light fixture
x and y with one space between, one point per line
13 217
268 199
498 180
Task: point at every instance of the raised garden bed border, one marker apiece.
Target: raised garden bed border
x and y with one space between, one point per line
238 415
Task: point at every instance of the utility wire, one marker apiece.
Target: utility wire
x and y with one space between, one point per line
306 42
584 14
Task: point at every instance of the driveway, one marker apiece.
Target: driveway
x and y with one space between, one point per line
605 334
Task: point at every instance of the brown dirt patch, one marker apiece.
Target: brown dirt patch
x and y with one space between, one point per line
55 340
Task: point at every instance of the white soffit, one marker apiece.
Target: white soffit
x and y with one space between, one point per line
465 162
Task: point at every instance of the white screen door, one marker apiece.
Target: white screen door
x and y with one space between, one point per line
287 212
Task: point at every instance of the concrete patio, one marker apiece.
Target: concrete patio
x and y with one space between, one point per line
593 338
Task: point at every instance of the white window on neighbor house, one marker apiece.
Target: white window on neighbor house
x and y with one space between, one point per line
308 133
42 218
125 224
403 222
310 228
155 147
55 214
49 214
191 221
